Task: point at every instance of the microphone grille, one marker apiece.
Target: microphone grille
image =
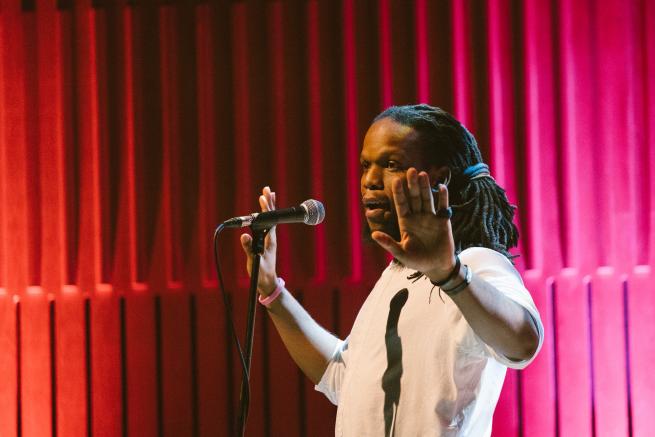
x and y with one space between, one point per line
315 212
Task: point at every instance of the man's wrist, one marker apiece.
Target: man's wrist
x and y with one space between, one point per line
269 288
442 276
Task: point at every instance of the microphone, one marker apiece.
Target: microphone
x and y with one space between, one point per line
310 212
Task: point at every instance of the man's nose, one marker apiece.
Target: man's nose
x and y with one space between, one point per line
373 178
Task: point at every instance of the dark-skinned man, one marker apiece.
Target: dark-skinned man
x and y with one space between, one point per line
429 349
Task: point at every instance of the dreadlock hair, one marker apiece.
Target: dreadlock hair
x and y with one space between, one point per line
482 214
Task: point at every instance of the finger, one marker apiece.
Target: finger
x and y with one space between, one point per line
271 234
268 194
442 196
387 243
413 190
266 203
264 199
427 199
246 244
399 198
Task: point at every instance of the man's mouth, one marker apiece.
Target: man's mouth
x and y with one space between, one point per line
376 209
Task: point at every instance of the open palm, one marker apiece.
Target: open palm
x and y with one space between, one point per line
426 240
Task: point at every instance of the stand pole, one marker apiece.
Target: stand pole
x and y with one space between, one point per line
258 237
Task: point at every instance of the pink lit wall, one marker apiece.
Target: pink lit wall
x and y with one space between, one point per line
128 130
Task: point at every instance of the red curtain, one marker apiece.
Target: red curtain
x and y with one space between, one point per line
129 130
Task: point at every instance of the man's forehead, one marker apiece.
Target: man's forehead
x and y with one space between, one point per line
388 130
398 150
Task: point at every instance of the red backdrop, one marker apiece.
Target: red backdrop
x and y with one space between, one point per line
128 131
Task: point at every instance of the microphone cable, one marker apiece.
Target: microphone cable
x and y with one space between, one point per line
228 312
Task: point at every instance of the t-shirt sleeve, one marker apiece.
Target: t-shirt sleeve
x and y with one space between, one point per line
330 383
498 271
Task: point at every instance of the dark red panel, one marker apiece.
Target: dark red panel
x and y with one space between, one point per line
141 366
14 148
8 366
106 377
319 413
35 364
213 397
640 300
507 411
573 355
538 381
71 360
609 354
176 365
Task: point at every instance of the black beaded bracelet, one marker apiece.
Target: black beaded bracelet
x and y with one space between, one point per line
462 285
452 274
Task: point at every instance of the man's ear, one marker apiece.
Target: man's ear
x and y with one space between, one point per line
439 175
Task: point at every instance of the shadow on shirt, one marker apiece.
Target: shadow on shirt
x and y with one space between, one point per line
391 376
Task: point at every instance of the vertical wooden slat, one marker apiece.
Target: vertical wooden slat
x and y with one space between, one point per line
36 395
316 126
541 128
385 47
608 351
641 349
572 351
319 412
106 378
538 380
8 365
579 136
352 136
140 362
462 68
504 140
507 413
502 97
51 146
648 48
618 134
71 359
422 58
403 51
439 45
213 371
14 172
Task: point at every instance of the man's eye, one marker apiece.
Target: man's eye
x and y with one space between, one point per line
393 165
365 165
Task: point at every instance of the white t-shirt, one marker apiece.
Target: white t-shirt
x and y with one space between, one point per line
412 365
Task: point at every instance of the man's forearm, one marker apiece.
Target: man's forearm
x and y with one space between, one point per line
497 320
308 343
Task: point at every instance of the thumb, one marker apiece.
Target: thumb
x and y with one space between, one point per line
387 243
246 243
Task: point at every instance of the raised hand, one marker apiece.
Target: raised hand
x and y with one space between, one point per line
426 239
267 275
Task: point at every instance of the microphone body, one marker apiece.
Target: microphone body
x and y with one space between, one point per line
310 212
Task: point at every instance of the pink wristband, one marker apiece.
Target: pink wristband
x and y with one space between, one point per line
268 300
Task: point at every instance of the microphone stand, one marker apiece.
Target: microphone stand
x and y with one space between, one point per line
258 238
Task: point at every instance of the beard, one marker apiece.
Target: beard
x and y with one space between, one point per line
389 227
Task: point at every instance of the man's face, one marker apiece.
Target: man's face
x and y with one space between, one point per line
389 150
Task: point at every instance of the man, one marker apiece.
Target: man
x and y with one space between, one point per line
418 364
